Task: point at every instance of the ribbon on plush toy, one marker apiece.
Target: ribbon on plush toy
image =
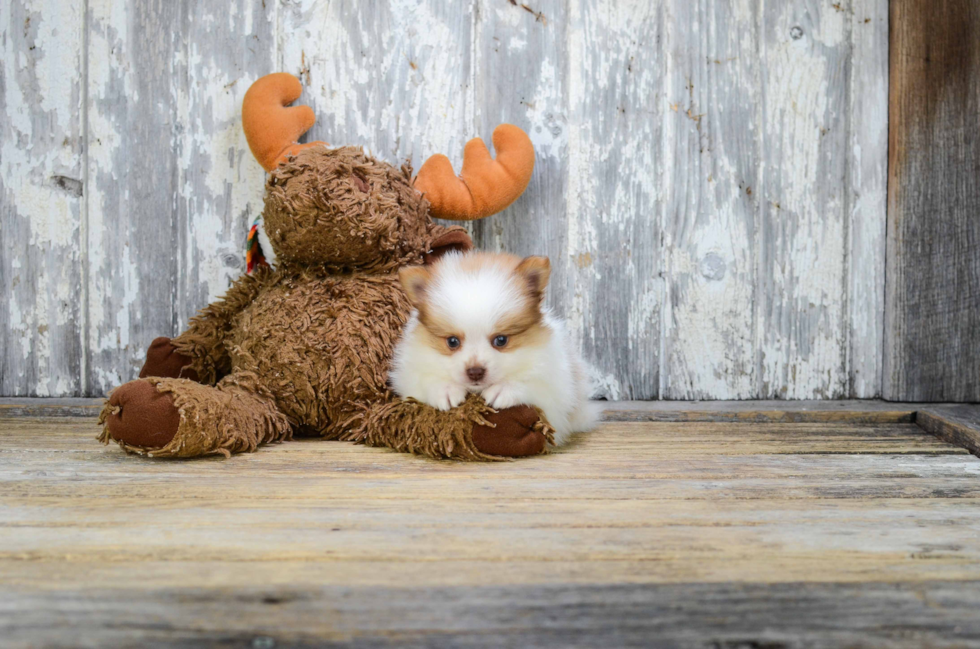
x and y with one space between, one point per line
253 250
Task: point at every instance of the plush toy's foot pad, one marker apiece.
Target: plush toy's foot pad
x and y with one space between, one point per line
181 418
515 435
163 360
140 415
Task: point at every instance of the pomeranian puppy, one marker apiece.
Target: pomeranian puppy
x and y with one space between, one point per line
479 326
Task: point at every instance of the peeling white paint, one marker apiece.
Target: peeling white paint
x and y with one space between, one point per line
401 94
705 240
712 155
868 138
40 206
614 188
801 336
223 186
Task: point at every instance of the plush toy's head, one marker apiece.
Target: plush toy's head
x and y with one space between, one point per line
340 208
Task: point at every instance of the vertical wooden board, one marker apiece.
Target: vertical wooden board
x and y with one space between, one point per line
390 76
221 185
520 78
615 111
760 295
866 155
134 176
713 155
41 188
801 314
932 317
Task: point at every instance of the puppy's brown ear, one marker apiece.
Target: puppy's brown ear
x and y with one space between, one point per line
535 271
415 282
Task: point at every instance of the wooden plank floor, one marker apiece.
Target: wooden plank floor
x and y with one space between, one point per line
697 534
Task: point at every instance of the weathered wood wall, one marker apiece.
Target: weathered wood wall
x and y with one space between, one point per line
932 345
710 180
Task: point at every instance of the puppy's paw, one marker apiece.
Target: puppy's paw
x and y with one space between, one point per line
501 395
448 396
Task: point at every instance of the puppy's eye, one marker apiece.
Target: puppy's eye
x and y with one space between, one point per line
452 342
499 342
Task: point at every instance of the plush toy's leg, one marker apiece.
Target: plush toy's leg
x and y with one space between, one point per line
163 360
471 431
180 418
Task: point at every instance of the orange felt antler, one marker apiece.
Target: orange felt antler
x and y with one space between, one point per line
485 186
271 127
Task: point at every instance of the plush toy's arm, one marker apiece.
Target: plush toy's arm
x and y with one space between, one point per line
204 340
471 431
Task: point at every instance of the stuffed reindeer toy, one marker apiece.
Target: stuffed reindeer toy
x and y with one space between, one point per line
304 348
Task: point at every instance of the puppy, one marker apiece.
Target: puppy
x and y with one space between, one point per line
479 326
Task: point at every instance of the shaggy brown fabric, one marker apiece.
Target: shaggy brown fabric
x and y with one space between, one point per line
472 431
163 360
305 348
321 343
204 342
413 427
316 213
236 415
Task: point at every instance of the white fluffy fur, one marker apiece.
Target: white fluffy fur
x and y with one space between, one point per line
549 375
267 251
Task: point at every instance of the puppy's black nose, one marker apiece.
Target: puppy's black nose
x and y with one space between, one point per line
476 373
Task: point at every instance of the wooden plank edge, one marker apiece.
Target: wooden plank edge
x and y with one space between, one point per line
765 416
854 411
946 422
900 614
957 425
45 407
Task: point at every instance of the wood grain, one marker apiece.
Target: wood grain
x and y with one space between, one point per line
64 407
935 614
519 77
42 130
932 350
709 179
390 76
845 412
801 333
955 424
866 200
613 291
713 152
862 411
634 529
133 185
226 48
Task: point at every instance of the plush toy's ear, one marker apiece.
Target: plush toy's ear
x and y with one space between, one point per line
271 127
485 186
414 281
535 271
455 239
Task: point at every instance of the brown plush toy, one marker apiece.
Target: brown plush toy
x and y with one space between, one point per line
304 349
